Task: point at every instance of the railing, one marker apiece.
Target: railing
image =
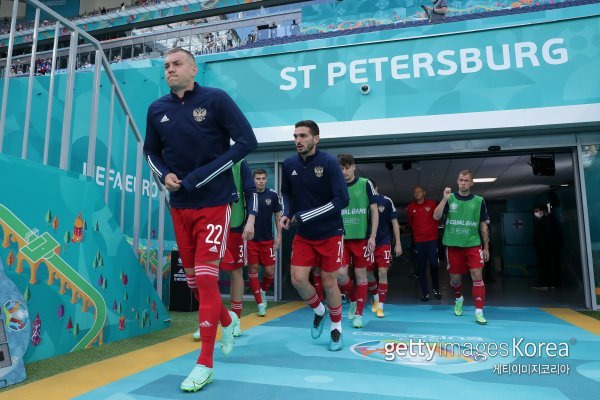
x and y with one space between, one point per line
101 65
189 37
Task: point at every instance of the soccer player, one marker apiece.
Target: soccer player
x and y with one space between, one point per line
466 216
313 180
262 248
382 260
241 229
359 244
425 240
187 145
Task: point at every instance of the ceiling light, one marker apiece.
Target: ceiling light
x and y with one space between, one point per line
565 185
484 180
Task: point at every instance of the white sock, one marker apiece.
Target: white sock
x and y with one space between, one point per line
336 325
479 311
261 304
460 299
320 310
376 297
380 306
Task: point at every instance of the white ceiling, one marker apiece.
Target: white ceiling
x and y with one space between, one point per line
515 177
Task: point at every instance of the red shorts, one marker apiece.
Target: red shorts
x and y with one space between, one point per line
383 257
201 234
462 259
236 255
355 250
326 254
261 253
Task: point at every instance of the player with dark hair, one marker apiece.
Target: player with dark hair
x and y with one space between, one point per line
313 182
262 248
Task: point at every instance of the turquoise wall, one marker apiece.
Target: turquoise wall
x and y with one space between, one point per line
450 74
101 267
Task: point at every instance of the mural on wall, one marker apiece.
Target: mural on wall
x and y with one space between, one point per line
335 15
82 283
148 258
15 327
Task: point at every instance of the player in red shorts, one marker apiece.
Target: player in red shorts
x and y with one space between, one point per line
359 236
388 218
313 180
466 215
262 247
241 229
188 147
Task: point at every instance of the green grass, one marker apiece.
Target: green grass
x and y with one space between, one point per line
593 314
182 323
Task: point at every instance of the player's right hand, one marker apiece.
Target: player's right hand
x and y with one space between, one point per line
284 222
447 193
172 182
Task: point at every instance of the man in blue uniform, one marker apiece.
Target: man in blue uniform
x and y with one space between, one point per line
187 145
312 180
262 247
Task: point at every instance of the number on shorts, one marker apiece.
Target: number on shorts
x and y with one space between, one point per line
481 256
213 229
387 254
241 251
340 248
366 251
272 254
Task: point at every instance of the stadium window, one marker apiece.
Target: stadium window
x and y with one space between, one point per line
126 52
137 49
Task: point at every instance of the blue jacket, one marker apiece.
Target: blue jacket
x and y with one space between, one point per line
315 193
387 213
190 137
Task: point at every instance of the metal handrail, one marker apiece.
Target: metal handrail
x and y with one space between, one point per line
100 62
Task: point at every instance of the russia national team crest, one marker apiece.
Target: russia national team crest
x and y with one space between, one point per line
199 114
268 201
427 209
319 171
381 208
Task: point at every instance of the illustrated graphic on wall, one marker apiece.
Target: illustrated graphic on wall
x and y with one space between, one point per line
78 229
37 249
14 331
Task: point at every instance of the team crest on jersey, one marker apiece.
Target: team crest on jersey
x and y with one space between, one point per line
427 209
381 208
268 201
453 206
199 114
319 171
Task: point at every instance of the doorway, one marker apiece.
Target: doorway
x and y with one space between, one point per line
514 187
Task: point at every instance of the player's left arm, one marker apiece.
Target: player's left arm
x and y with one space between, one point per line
278 228
374 215
485 232
235 125
396 229
277 211
251 200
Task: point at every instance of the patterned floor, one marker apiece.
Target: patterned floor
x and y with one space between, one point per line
456 358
